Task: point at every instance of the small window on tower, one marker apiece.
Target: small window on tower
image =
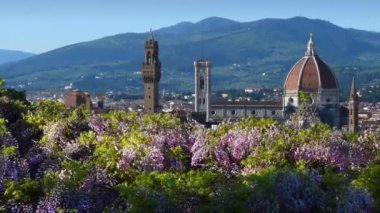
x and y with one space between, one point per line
148 58
201 83
213 112
233 112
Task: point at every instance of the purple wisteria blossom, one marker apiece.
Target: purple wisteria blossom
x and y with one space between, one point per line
335 152
48 204
171 138
127 156
236 145
55 132
98 124
35 160
296 195
355 200
200 149
8 140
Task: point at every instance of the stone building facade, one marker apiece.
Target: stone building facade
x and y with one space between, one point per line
232 110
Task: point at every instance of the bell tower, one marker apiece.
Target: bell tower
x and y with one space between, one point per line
151 74
203 87
353 109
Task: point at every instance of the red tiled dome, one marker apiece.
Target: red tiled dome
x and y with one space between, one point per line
310 73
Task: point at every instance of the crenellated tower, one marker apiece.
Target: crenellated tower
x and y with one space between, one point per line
151 74
353 109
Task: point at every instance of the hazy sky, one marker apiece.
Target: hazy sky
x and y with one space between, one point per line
41 25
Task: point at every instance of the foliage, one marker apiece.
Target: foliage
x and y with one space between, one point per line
370 180
56 159
10 151
43 112
26 191
3 127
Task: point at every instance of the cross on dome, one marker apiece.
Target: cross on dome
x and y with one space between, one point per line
310 47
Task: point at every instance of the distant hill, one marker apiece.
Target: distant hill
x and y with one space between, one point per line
7 56
244 54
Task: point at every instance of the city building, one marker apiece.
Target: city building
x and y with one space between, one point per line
215 111
310 76
77 98
151 74
313 77
232 110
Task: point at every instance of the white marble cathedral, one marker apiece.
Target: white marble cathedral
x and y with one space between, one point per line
310 75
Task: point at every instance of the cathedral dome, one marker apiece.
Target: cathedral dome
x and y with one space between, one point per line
310 73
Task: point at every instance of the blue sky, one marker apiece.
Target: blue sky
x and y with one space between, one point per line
41 25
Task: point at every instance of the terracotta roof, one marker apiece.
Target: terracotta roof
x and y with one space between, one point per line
310 73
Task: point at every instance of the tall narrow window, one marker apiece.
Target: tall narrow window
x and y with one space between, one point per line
201 83
155 56
148 58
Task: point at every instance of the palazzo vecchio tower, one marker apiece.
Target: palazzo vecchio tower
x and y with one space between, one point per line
151 74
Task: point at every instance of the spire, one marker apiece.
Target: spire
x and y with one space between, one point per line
353 109
151 34
310 47
353 93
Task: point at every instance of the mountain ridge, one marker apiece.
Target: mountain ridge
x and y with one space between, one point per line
263 52
8 56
